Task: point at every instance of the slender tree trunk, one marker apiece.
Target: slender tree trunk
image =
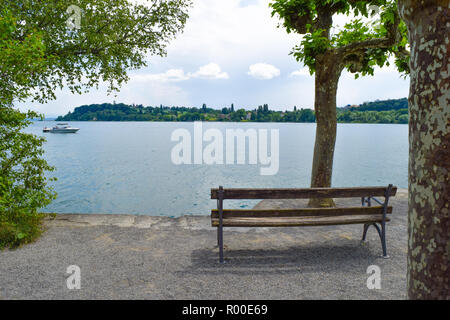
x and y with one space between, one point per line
328 71
429 148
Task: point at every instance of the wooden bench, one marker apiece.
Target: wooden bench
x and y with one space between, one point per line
366 214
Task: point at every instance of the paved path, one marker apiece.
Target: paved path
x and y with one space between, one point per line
142 257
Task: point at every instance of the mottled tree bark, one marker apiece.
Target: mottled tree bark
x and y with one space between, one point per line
328 71
429 148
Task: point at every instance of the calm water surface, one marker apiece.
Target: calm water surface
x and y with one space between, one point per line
126 167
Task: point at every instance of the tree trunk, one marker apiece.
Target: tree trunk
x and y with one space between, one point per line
328 71
429 148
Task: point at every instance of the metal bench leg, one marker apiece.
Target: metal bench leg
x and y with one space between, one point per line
366 227
220 228
383 222
382 233
383 239
221 245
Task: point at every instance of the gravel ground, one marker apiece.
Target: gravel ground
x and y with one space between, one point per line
142 257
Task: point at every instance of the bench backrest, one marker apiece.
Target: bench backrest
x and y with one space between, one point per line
306 193
309 216
302 212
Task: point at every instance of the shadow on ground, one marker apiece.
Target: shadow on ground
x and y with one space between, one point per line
323 257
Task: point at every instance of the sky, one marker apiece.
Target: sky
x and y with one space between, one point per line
231 51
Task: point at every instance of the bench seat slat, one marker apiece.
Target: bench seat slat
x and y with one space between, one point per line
297 221
299 212
308 193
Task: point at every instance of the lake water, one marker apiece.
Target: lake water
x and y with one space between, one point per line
126 167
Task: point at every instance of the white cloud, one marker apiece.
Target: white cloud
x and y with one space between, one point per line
169 75
232 32
301 72
209 71
263 71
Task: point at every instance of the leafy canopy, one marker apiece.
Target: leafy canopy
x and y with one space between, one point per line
114 36
373 35
19 58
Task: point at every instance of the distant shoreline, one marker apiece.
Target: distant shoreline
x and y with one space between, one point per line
388 111
212 121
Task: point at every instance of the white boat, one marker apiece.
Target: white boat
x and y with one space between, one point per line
61 128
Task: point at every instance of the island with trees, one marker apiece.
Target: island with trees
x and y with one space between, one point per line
386 111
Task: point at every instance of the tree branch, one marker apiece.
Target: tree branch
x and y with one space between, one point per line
403 53
393 37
